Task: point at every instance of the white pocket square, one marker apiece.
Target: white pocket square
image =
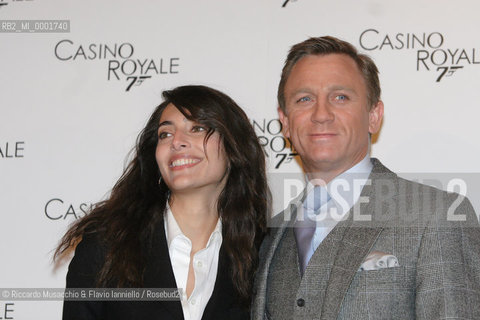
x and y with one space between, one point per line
379 260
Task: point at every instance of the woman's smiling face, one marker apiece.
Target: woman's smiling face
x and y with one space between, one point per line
186 161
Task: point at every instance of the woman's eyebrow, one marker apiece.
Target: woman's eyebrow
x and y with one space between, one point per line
165 123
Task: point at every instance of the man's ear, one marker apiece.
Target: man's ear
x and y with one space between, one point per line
284 121
375 116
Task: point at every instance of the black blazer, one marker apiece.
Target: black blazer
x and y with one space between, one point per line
88 259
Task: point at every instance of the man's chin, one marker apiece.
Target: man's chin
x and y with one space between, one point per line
321 164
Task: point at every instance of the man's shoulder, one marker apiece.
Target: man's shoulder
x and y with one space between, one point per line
416 200
276 225
279 219
403 186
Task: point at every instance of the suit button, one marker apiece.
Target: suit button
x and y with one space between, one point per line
300 302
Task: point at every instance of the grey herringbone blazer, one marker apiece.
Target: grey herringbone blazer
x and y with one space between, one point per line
435 236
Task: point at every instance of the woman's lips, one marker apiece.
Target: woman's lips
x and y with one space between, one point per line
183 162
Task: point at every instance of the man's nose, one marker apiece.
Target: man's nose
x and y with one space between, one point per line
322 112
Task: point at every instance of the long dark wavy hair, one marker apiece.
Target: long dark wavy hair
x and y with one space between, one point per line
125 221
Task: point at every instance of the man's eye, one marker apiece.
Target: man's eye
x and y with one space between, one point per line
341 97
164 135
304 99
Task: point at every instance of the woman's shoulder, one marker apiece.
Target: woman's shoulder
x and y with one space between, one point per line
91 244
87 261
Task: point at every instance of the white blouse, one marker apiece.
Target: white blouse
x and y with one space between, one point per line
205 265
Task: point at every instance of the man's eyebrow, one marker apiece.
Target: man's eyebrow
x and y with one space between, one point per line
331 88
302 90
298 91
340 87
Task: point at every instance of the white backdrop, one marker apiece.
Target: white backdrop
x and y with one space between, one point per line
67 120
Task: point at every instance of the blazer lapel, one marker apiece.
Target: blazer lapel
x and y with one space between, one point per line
357 241
352 251
159 272
223 295
278 226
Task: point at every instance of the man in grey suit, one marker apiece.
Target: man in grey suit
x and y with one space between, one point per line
359 242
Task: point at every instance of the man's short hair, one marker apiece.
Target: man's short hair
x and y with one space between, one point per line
331 45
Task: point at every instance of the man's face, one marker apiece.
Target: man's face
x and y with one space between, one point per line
327 116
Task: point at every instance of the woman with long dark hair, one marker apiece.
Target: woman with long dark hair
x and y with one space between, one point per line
189 212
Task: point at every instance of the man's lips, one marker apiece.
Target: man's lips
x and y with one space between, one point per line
324 135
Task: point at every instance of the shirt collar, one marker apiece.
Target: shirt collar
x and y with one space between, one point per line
362 168
358 171
356 175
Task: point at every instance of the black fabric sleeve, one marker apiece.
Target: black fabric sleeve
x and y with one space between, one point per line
82 273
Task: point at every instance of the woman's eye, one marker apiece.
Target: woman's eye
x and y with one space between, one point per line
163 135
198 129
